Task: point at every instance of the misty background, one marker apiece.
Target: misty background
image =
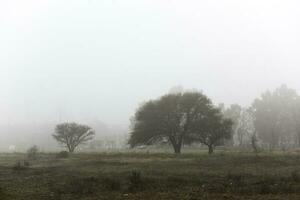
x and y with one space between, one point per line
94 61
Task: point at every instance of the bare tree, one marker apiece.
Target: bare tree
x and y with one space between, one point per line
72 135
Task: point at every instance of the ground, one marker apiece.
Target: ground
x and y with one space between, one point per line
128 175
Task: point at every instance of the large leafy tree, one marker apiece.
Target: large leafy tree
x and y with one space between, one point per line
72 135
181 118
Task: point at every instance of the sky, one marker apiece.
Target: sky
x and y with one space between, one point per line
87 59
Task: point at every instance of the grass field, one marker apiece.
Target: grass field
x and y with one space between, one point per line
151 176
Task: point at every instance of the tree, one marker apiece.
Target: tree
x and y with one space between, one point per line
179 117
234 113
32 152
245 128
213 130
72 135
275 117
168 117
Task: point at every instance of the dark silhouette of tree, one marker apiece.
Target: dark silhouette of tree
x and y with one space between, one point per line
72 135
213 129
178 117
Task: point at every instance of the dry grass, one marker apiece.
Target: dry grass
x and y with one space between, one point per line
151 176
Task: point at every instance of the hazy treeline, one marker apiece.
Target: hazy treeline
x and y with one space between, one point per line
186 117
273 120
20 137
181 118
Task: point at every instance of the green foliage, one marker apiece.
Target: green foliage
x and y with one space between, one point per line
179 118
72 135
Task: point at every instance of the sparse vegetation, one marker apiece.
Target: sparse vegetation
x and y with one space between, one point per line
154 176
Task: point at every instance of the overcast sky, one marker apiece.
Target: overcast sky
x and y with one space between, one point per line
92 59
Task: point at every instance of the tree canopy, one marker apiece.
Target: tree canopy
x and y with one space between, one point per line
182 118
276 117
72 135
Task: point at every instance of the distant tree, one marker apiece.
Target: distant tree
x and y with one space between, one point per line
276 115
179 117
234 113
32 152
72 135
254 143
213 130
245 128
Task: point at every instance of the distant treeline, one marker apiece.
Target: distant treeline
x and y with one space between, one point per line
185 117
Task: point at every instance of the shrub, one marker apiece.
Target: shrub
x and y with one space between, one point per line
62 154
32 152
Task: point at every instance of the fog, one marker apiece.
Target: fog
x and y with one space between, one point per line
96 61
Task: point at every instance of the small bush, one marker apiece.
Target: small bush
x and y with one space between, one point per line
32 152
62 154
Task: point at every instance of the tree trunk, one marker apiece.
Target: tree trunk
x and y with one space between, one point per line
210 149
71 149
176 143
177 148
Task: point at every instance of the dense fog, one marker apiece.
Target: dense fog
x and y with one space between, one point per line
95 62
